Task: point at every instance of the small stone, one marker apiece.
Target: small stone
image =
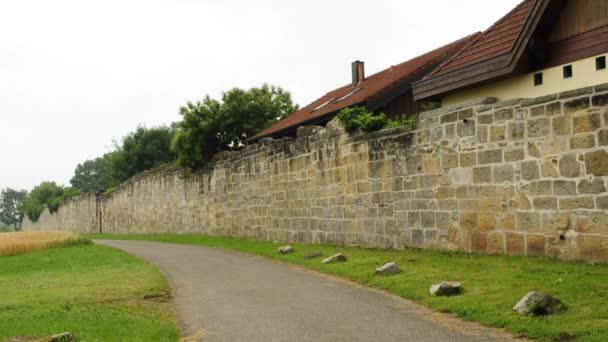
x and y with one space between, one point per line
538 303
62 337
334 258
449 288
313 254
388 269
285 249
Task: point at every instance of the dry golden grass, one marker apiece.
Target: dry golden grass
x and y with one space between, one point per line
26 242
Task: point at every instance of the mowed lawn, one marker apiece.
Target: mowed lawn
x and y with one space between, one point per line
95 292
492 284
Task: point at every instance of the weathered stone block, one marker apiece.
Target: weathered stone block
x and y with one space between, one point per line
497 133
602 137
539 128
482 134
554 108
486 221
503 173
466 128
482 174
503 114
468 220
586 123
561 125
576 105
535 245
489 157
596 163
517 130
485 119
465 114
576 203
600 100
548 168
528 221
569 166
479 242
594 186
582 141
468 159
515 244
537 111
541 188
514 154
545 203
529 170
602 202
564 188
593 247
449 160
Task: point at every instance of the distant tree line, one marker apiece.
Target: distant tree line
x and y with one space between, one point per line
206 127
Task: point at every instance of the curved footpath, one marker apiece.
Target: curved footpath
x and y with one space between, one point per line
233 296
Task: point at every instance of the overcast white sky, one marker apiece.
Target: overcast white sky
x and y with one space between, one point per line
74 74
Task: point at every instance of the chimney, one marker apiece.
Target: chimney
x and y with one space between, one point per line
358 72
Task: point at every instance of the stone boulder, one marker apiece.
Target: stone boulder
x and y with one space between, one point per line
538 303
334 258
313 254
388 269
285 249
448 288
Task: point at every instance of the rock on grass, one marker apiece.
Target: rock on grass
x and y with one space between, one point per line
388 269
448 288
334 258
285 249
538 303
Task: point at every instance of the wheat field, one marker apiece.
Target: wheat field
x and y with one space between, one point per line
25 242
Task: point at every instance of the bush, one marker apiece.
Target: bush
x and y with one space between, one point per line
402 121
49 195
354 118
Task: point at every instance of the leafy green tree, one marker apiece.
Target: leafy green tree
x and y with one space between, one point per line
10 204
211 125
144 149
94 175
47 194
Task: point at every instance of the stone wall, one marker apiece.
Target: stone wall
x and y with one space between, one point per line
524 177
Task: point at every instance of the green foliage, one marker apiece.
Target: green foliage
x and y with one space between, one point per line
492 284
94 175
95 292
142 150
402 121
353 118
210 126
46 195
10 203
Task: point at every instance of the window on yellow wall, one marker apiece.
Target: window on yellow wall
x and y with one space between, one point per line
568 71
538 79
600 63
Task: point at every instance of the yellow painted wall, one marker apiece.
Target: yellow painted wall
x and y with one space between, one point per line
583 75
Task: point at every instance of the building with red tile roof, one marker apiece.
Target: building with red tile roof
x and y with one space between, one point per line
388 91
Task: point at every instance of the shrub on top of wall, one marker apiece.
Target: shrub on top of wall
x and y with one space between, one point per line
354 118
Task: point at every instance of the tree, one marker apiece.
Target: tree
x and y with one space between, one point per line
144 149
94 175
211 126
46 195
10 204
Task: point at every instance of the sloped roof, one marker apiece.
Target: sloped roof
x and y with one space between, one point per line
371 87
499 39
497 53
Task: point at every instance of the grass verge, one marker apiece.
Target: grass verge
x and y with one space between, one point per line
492 284
95 292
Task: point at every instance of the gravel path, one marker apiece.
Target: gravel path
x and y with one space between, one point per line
233 296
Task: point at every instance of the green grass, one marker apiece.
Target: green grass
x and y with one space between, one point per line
492 284
95 292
